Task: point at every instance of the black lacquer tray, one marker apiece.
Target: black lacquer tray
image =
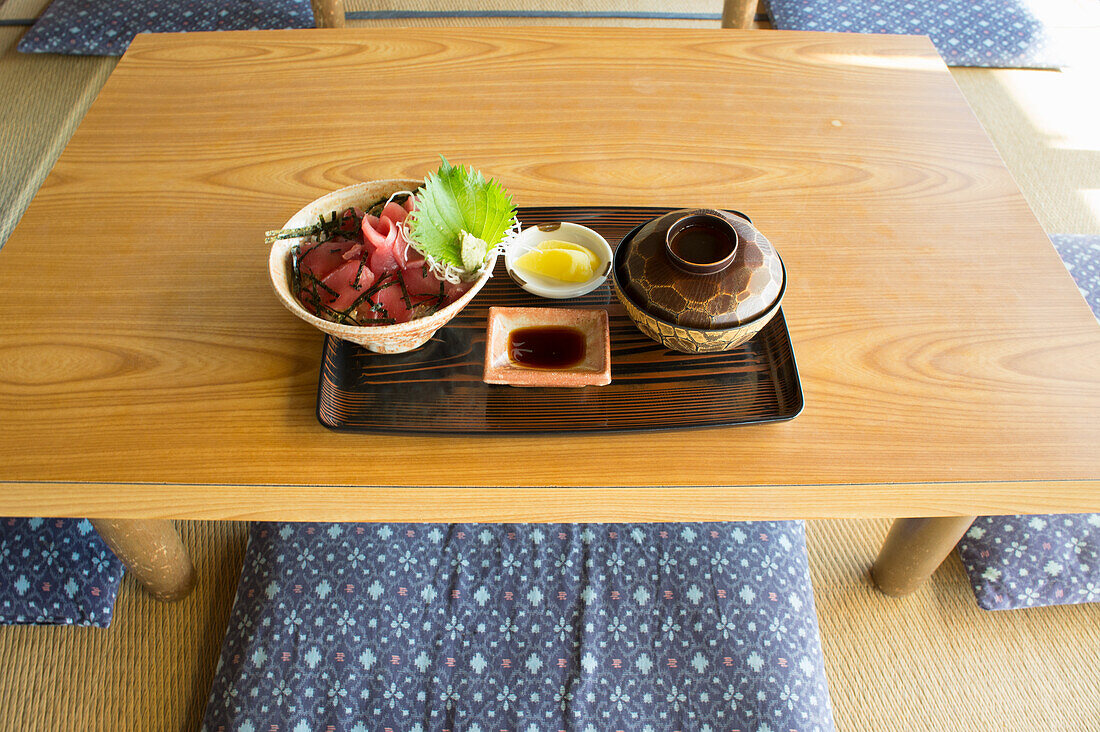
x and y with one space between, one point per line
437 389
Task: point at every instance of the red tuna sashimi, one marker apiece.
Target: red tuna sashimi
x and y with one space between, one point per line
380 235
378 232
407 257
423 285
348 281
320 260
392 298
356 253
395 212
420 281
452 292
390 250
349 221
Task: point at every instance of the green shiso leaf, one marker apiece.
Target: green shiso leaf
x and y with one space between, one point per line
454 203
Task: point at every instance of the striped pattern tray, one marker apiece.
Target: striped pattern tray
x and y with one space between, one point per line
437 389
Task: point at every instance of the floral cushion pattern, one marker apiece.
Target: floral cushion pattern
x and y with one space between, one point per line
1029 561
999 33
1081 255
56 572
522 628
96 28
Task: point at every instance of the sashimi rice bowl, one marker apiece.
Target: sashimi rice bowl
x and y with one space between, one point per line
387 263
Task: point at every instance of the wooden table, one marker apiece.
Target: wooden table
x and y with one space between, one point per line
950 368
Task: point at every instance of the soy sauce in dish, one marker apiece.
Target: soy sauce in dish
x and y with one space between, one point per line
546 347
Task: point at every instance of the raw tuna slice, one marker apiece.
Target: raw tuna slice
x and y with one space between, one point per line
380 235
392 299
321 259
349 281
378 231
395 212
407 257
453 292
349 220
419 280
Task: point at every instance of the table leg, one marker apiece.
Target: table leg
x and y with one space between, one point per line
152 550
913 549
328 13
738 13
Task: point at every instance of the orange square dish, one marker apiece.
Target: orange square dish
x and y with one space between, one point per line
560 347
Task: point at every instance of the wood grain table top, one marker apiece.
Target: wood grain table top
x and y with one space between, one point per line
146 369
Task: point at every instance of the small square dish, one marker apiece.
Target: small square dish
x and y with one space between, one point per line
555 347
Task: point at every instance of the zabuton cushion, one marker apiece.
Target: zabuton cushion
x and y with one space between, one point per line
1029 561
96 28
481 628
998 33
56 572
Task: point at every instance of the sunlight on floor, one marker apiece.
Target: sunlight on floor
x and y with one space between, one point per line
1046 124
1063 110
1058 106
1065 107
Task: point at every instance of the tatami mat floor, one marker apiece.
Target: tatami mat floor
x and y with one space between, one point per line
42 100
932 661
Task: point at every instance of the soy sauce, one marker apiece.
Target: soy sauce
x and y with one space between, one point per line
546 347
701 244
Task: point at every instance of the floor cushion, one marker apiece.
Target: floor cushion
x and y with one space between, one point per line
1028 561
1081 255
56 572
95 28
999 33
482 628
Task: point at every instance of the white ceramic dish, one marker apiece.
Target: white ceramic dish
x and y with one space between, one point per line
532 236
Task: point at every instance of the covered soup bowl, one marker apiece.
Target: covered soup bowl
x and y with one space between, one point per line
699 280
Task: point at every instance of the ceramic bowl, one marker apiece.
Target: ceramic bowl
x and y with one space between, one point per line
396 338
699 304
532 236
594 368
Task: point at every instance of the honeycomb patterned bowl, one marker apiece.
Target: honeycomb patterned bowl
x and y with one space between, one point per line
699 300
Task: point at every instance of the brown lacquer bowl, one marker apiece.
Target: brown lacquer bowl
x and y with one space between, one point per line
699 280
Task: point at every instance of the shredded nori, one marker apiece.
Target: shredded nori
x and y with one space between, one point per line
317 282
295 275
359 272
404 292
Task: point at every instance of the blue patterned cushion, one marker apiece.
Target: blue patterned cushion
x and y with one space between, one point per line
97 28
56 572
1081 255
524 628
1000 33
1029 561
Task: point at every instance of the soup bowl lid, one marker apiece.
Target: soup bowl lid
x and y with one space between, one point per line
700 268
